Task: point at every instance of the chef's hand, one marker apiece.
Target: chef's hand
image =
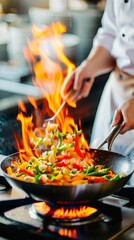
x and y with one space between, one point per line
125 114
80 80
98 62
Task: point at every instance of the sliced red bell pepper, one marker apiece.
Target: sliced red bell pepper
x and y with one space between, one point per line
57 182
96 179
77 148
62 157
26 171
61 164
77 166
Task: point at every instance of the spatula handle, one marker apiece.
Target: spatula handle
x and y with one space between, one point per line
111 137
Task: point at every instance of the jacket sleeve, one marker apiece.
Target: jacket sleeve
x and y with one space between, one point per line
107 33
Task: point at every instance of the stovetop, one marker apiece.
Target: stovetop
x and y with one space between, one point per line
115 219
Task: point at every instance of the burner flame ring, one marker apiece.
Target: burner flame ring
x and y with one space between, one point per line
65 215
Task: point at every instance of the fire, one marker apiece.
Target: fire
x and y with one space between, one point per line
71 233
27 134
63 212
74 213
41 207
49 75
65 232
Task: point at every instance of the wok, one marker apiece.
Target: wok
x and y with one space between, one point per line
81 193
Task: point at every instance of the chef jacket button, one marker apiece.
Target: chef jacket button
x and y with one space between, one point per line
120 76
126 1
123 34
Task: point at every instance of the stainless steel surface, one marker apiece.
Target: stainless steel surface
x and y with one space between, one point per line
2 157
19 88
11 92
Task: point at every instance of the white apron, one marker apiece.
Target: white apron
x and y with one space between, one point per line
118 88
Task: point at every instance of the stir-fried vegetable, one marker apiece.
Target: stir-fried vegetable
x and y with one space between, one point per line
62 161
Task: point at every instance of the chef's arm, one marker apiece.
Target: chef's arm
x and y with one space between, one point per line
99 61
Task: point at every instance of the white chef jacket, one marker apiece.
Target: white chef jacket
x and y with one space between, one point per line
117 33
117 36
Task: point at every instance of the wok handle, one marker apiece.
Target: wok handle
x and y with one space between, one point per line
111 137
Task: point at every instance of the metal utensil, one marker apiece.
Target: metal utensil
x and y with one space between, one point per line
111 137
52 119
72 95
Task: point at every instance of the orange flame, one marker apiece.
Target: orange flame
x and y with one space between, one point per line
65 232
71 233
73 213
64 213
49 75
41 207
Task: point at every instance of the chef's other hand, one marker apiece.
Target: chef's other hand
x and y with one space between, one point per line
125 114
80 80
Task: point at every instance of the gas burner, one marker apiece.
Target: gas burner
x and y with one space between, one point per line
65 215
23 217
113 219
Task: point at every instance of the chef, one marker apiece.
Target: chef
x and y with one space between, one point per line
113 50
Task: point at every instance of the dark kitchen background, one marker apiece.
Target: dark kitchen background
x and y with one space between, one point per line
82 18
